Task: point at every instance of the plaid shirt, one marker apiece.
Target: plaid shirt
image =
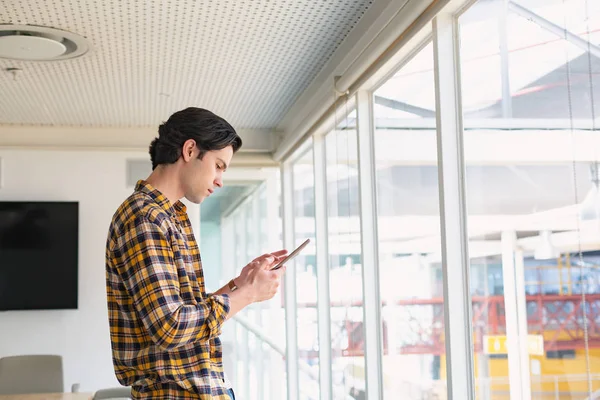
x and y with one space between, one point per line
164 328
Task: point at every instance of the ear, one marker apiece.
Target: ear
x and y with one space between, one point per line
188 150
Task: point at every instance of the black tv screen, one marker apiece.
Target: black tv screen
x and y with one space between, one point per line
38 255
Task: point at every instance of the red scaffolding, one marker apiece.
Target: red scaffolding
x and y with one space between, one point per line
560 318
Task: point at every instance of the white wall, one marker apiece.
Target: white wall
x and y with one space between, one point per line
96 179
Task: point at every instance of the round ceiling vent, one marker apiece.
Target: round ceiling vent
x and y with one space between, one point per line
39 43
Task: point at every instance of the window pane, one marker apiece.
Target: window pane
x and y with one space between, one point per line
253 311
409 244
410 93
306 277
273 372
345 259
480 60
532 195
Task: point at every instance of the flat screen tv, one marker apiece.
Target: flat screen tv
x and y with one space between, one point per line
38 255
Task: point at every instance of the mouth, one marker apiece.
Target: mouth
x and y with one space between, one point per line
210 191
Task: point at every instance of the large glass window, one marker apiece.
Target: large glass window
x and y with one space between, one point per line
252 312
408 232
531 93
252 229
345 261
272 318
306 274
530 73
242 346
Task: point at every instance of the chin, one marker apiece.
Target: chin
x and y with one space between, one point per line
195 199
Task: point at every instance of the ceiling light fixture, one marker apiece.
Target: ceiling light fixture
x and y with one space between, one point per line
40 43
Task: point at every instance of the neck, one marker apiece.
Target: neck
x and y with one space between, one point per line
165 179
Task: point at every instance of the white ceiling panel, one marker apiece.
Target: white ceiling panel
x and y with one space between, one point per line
248 61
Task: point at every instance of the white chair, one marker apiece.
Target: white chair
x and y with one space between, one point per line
31 374
113 393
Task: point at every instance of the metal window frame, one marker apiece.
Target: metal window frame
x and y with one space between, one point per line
453 214
245 343
289 284
259 355
513 275
322 257
369 245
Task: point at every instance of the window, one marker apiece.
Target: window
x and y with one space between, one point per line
345 268
306 277
530 102
408 222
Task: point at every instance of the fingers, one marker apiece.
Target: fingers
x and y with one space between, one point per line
279 253
270 282
276 282
260 258
275 257
280 271
276 254
266 262
263 262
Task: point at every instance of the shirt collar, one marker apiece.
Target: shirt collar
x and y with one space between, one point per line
161 199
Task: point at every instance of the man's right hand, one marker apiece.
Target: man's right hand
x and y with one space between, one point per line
257 279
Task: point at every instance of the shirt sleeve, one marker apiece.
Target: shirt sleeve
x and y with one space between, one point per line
150 275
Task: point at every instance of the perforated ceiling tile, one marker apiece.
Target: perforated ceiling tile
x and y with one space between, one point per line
246 60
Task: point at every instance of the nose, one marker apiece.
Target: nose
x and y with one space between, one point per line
218 182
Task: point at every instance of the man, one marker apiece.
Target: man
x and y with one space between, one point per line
164 327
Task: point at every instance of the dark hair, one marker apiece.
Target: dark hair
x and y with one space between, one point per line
210 132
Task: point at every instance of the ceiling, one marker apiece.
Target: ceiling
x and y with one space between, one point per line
248 61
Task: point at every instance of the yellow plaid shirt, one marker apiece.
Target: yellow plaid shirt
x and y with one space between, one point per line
164 327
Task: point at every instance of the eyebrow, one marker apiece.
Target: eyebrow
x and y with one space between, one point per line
224 163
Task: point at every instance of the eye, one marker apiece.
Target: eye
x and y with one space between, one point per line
219 166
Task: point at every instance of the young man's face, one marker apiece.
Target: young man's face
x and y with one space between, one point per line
202 176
